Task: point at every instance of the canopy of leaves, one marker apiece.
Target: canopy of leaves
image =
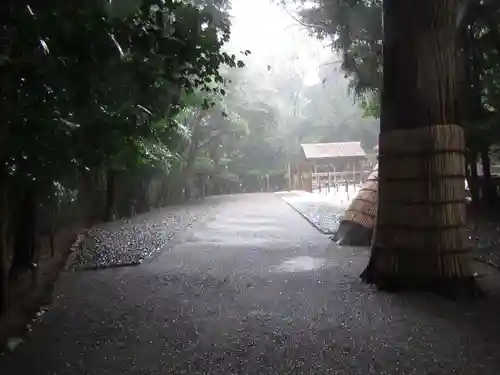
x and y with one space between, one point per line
257 127
90 86
355 30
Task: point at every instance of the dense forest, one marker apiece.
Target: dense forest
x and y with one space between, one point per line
113 109
94 92
117 108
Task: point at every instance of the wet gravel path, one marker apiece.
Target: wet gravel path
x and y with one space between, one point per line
253 288
131 241
318 210
484 234
326 216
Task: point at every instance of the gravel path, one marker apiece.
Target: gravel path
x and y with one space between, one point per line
485 239
324 214
131 241
253 288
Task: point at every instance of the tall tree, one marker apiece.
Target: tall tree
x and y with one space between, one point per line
355 28
93 89
420 237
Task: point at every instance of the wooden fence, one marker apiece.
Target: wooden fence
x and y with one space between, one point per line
332 180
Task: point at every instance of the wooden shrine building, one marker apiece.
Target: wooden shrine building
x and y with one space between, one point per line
328 163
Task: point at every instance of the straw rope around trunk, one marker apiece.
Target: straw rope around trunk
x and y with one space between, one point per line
356 226
420 230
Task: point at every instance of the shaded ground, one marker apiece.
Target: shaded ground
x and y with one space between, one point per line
252 288
485 239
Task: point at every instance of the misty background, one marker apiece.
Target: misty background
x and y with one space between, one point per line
292 90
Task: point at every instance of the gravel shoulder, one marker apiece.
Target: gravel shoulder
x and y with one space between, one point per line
132 241
322 213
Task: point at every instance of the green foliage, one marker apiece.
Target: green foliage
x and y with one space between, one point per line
355 29
256 128
92 94
231 136
91 87
370 102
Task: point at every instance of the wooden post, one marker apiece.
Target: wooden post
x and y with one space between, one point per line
289 177
329 180
335 185
314 177
310 180
298 179
354 172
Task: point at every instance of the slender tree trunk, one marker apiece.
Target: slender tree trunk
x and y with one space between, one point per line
474 191
25 232
4 270
488 188
473 166
145 184
486 163
420 239
86 197
191 152
202 186
475 109
187 171
110 195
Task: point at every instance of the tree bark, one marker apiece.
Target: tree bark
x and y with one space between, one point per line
420 239
473 166
25 232
110 195
470 102
186 173
473 179
202 182
488 188
4 271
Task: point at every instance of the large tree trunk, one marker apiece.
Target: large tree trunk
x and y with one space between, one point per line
420 239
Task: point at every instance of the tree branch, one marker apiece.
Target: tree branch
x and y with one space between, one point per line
321 27
331 63
208 141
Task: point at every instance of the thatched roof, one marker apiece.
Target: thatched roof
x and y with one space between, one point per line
332 150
